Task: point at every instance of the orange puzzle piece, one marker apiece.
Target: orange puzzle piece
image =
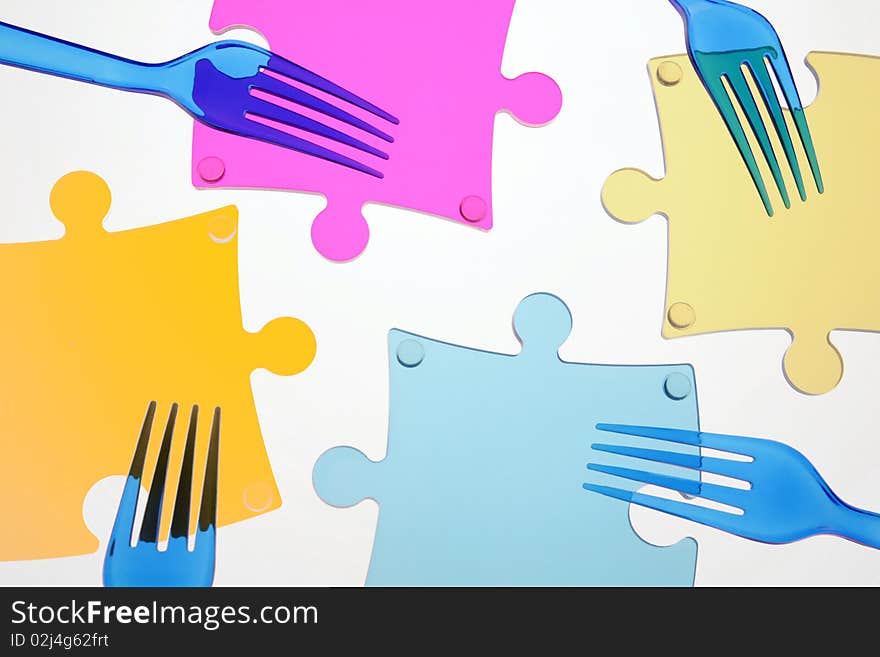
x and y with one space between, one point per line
96 325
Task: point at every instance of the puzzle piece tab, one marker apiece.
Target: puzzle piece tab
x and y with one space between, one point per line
810 269
482 480
434 66
96 325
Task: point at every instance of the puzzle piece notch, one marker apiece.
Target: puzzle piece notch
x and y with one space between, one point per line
542 323
812 364
80 200
444 84
285 346
340 232
103 323
629 195
730 267
532 99
351 466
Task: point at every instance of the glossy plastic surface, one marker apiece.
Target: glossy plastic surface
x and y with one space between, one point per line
725 37
144 564
787 499
481 483
214 84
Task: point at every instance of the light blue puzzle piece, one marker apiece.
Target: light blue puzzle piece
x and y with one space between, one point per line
487 453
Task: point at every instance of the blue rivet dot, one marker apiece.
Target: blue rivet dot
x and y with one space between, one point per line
410 353
677 386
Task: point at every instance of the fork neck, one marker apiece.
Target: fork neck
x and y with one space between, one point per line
38 52
858 525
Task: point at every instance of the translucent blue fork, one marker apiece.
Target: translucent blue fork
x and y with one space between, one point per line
214 84
724 39
787 500
144 564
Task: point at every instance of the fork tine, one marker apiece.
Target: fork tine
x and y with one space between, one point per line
790 92
283 90
125 513
287 68
712 517
153 513
723 467
728 113
267 110
136 470
180 519
732 444
743 94
723 494
771 102
280 138
208 510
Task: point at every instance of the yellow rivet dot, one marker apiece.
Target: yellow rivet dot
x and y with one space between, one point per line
222 229
258 496
681 315
669 73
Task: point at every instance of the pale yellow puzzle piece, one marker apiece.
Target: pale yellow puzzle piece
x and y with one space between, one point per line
809 269
96 325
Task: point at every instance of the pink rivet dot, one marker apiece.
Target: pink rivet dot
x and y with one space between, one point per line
473 208
211 169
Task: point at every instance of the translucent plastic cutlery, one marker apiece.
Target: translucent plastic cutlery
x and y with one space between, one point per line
144 564
786 499
731 46
215 85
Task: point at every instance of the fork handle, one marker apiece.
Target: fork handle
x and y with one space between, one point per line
38 52
859 526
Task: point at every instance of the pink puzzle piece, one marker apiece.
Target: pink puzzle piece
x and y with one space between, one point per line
434 65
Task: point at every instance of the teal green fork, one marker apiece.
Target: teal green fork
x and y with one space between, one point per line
725 40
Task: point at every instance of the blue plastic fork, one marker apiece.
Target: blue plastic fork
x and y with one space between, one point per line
144 564
213 84
723 39
788 500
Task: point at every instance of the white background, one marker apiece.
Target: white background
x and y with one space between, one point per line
445 280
